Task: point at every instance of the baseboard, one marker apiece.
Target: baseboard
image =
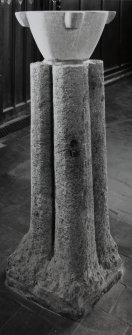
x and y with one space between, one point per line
114 74
14 125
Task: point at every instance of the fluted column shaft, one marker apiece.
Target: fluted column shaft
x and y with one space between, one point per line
106 247
42 161
74 207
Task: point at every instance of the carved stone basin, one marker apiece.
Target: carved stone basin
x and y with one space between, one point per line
66 35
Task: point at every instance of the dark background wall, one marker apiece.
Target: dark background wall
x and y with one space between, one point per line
18 50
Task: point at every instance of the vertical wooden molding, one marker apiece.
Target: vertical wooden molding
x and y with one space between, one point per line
52 5
59 2
120 11
44 5
101 40
1 60
24 56
90 4
13 53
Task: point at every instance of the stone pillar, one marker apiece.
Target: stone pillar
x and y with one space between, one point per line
74 207
36 247
68 258
42 160
106 247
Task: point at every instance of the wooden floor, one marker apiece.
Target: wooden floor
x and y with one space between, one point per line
113 313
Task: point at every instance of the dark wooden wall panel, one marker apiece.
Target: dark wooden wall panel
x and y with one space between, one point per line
44 4
126 31
91 5
7 56
1 58
70 5
19 58
18 50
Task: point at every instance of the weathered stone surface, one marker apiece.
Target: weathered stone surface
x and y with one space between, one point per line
74 230
74 268
42 183
106 247
62 261
36 246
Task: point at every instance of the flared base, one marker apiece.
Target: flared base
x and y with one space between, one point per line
52 284
80 298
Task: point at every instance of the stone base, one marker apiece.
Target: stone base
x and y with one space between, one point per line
51 284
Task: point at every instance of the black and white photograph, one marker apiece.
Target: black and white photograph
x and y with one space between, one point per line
65 167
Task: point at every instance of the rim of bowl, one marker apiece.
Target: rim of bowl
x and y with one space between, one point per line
66 11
